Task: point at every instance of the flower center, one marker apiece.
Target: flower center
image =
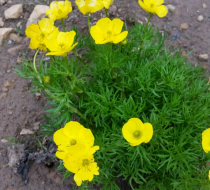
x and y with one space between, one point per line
151 5
73 142
59 11
85 162
42 35
137 134
109 33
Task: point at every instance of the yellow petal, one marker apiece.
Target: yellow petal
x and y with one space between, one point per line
77 180
51 14
52 44
147 132
97 34
34 43
107 3
143 6
72 129
159 2
60 138
86 137
105 24
120 37
161 11
117 26
94 5
82 6
32 31
128 129
46 25
72 47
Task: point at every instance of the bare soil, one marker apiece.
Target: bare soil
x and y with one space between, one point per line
19 108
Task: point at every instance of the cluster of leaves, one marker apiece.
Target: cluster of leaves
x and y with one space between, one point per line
117 82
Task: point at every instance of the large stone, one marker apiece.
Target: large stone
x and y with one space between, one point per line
1 23
203 57
14 51
38 13
15 37
4 32
2 2
14 11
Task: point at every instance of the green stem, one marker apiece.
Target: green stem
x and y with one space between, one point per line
68 69
106 13
34 61
89 21
78 57
145 30
67 105
62 21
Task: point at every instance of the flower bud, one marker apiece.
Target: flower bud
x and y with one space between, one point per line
124 42
46 79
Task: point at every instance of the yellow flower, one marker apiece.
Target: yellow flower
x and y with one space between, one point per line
40 32
136 132
106 31
206 140
61 44
107 3
72 134
154 6
59 10
80 161
89 6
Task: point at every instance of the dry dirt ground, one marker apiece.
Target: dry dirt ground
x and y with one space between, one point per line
19 108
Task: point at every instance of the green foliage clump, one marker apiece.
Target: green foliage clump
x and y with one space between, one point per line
112 83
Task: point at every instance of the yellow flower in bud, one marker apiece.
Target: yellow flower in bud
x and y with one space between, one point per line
61 44
40 32
107 30
206 140
154 6
59 10
136 132
46 79
89 6
72 134
124 42
80 160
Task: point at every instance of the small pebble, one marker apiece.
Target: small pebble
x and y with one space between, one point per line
8 71
4 89
200 18
18 24
203 57
10 112
184 26
204 6
171 8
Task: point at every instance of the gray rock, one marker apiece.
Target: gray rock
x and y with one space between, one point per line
38 13
203 57
15 37
14 12
1 22
171 8
200 18
4 32
15 153
26 132
14 51
2 2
